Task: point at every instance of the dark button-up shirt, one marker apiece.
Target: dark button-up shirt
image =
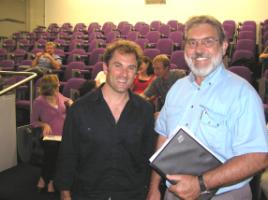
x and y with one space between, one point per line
104 157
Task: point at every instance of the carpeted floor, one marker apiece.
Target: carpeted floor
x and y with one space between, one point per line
18 183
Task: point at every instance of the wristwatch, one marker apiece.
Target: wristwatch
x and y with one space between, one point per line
203 188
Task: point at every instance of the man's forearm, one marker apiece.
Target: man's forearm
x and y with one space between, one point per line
55 63
235 170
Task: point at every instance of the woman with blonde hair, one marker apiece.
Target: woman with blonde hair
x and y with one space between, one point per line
49 111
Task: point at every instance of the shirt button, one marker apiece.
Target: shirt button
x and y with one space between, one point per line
186 124
209 83
192 106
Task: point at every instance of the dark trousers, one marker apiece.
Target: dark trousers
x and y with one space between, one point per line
113 196
48 170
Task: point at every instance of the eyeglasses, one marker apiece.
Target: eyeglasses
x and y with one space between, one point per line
207 42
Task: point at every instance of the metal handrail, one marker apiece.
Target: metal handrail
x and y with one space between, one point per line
31 76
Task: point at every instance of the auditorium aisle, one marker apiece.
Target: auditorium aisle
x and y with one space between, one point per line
18 183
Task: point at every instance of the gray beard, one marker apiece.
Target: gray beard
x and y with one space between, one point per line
204 71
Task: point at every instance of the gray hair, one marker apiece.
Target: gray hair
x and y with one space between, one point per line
205 19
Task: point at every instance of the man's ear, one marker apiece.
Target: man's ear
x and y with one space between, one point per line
224 47
105 67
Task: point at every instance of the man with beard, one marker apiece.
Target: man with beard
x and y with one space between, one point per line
222 110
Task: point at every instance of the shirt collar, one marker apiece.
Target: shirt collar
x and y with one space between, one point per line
98 96
211 79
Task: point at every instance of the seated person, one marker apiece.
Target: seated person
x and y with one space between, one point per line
46 61
264 58
165 79
144 76
49 111
264 54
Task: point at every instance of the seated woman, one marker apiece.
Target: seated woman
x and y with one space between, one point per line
144 76
49 111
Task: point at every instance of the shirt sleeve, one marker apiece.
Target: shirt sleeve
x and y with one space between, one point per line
246 120
160 124
67 158
58 59
151 90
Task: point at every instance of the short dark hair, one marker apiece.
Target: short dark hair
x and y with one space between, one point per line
163 58
205 19
49 84
123 46
148 61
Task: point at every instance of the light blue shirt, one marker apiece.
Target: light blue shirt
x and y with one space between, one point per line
225 113
44 62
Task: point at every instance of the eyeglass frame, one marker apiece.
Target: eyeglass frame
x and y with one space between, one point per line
208 42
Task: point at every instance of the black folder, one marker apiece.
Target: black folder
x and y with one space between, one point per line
184 154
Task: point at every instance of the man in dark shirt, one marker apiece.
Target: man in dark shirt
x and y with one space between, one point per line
108 136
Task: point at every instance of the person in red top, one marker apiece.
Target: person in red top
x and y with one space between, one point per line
144 76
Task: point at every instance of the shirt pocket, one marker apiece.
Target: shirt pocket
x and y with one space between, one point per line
213 127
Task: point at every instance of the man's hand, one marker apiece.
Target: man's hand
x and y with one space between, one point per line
47 55
39 54
186 187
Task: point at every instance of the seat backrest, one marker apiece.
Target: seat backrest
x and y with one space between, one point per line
247 35
96 69
153 36
151 53
164 29
155 25
96 43
177 38
7 65
72 83
242 71
112 36
241 54
173 24
132 35
71 66
144 29
93 26
246 44
77 54
165 45
177 58
142 42
96 55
